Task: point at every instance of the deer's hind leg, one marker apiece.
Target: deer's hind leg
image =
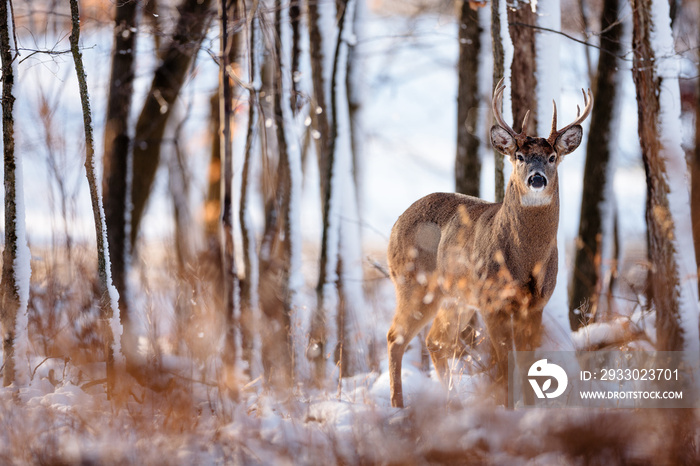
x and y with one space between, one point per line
416 306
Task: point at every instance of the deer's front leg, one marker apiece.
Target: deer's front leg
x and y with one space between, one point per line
527 327
500 330
513 329
444 339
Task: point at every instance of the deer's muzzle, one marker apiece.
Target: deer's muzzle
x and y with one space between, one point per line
537 181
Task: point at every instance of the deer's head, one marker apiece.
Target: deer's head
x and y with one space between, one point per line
535 160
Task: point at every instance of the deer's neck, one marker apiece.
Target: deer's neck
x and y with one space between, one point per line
531 226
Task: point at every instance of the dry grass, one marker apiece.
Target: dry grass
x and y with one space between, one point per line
180 412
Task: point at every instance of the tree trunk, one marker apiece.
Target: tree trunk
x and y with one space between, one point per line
695 176
269 173
150 11
355 87
117 144
165 87
10 294
596 201
322 333
231 305
467 161
352 327
280 365
109 306
179 185
339 288
667 212
212 201
295 21
250 332
15 243
498 73
321 99
582 10
523 80
670 290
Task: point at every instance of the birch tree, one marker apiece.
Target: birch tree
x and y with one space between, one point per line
16 271
672 285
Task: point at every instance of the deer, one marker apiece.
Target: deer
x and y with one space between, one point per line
451 255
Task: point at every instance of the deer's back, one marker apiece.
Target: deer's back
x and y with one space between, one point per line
416 235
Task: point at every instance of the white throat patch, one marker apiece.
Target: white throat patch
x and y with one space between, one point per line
535 199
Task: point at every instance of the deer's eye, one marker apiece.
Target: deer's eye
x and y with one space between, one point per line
552 159
521 158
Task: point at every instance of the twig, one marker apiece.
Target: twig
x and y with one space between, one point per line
588 44
193 380
39 365
378 266
36 52
570 37
93 383
251 383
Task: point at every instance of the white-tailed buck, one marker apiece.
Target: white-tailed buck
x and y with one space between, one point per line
451 255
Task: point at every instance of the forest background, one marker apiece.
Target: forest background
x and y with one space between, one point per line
216 291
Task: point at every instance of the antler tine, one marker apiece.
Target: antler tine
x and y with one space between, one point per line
496 106
523 130
554 117
588 105
580 118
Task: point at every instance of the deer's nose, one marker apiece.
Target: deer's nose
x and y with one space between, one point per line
537 181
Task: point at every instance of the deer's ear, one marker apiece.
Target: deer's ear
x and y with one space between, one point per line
502 141
569 140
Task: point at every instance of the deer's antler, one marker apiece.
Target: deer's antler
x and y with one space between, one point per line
588 105
496 106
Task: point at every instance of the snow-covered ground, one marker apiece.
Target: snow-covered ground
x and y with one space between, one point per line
409 122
